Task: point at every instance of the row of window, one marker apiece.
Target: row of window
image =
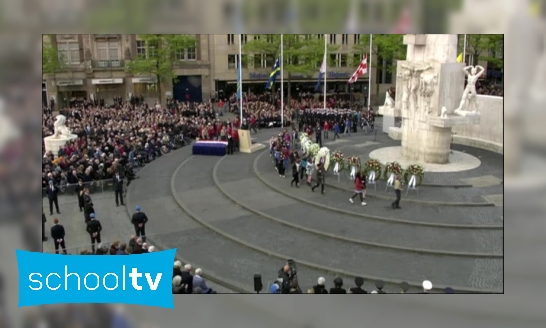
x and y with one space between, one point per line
267 61
269 38
69 52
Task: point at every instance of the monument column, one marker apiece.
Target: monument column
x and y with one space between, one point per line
428 80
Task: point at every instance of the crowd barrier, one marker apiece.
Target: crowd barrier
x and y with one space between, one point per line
98 186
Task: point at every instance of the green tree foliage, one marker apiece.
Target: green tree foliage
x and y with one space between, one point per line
51 63
483 47
302 53
160 56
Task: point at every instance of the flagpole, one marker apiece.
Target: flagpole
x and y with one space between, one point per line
282 84
464 49
325 69
240 70
370 73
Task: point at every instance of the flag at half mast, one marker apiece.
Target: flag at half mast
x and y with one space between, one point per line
273 75
361 70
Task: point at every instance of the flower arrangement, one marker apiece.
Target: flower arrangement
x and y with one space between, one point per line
337 158
416 170
392 167
372 165
353 161
303 136
314 149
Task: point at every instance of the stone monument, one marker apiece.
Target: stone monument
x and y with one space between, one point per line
389 112
431 83
60 137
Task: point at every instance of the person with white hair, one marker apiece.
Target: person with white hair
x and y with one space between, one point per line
177 269
199 282
319 288
187 278
427 286
151 249
177 287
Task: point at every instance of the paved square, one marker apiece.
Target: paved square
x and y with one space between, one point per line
498 200
483 181
366 144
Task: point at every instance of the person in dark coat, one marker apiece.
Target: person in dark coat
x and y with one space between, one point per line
320 178
79 193
187 279
94 228
52 192
44 220
139 220
58 233
338 287
88 208
359 281
319 288
379 284
118 188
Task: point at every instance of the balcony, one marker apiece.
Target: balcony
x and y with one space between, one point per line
108 64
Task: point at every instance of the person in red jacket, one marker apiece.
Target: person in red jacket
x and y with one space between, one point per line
326 128
360 188
253 124
235 135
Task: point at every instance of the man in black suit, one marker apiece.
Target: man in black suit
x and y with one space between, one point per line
79 193
52 195
338 287
359 281
118 188
187 279
57 233
94 228
44 220
139 220
87 205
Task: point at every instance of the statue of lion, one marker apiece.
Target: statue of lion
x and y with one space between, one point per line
60 128
324 157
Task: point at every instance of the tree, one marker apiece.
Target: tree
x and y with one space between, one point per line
483 47
387 49
160 55
302 54
52 62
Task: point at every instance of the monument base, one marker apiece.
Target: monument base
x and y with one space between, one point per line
452 120
389 111
245 143
395 133
53 143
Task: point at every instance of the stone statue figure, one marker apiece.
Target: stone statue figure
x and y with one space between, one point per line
426 88
60 127
412 76
389 102
469 94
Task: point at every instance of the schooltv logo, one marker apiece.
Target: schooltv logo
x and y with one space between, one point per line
143 279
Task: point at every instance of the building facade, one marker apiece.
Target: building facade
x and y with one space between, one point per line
95 67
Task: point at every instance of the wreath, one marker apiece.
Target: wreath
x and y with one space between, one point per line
303 136
392 167
372 165
338 158
314 149
416 170
353 161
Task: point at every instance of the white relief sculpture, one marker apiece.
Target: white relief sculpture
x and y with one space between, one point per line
389 102
406 87
414 71
427 85
469 95
444 112
61 130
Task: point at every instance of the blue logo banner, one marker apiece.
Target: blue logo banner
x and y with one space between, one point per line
143 279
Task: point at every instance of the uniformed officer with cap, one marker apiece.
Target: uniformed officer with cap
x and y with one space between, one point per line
94 228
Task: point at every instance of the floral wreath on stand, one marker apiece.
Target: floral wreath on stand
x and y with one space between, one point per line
394 168
303 136
372 166
354 163
314 149
338 162
414 170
